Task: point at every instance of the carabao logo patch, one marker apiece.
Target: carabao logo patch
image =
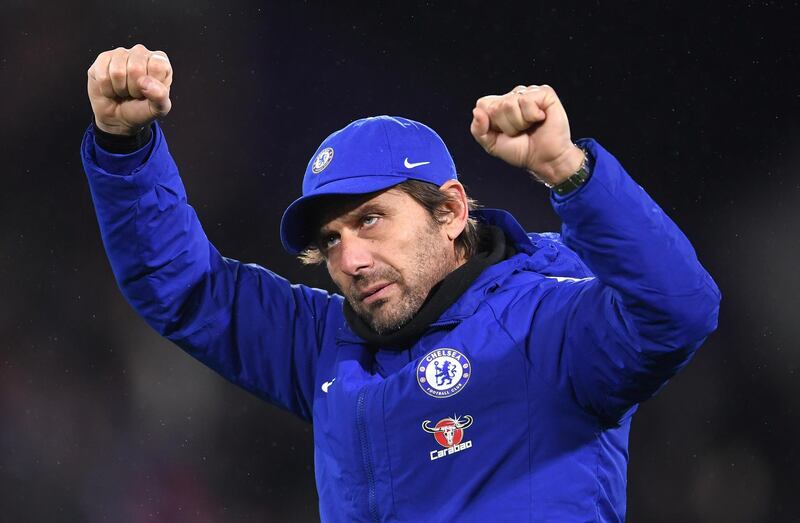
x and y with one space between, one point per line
443 372
449 433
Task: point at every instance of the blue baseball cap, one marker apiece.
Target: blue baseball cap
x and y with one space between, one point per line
369 155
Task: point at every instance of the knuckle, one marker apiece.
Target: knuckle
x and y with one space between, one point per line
161 58
484 101
507 104
157 73
102 58
136 69
119 53
157 67
116 73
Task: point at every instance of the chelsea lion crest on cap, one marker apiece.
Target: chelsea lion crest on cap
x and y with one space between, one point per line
443 372
322 160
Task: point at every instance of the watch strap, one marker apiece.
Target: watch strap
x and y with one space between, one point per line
575 181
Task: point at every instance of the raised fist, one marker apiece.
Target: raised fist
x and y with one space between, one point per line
129 88
528 127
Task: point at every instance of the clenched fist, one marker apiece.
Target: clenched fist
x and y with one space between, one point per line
528 127
129 88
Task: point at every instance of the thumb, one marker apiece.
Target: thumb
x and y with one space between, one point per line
157 94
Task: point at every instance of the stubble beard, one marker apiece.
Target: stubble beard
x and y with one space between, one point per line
430 264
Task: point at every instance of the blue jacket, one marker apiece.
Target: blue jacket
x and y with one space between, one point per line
516 403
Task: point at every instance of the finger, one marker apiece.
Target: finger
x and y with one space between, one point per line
545 97
157 95
159 67
480 122
484 102
118 72
530 102
481 129
98 74
137 67
506 116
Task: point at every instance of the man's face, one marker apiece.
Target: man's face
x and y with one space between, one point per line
385 253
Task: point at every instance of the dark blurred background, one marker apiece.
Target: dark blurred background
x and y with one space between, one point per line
102 420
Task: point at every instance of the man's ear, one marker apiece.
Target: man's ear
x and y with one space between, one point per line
457 210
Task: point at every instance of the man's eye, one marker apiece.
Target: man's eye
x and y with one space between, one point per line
369 220
330 241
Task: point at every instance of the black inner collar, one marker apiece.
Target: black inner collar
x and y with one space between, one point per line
492 249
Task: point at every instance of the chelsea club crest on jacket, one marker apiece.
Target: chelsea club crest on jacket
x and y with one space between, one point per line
515 405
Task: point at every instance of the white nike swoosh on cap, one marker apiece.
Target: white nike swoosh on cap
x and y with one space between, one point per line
326 385
412 165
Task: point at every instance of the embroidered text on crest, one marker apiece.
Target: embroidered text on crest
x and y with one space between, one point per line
443 372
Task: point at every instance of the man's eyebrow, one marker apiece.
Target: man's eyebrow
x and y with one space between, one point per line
368 208
354 214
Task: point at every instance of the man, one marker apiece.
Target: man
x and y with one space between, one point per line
470 370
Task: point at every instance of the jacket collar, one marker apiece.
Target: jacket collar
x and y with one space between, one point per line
543 253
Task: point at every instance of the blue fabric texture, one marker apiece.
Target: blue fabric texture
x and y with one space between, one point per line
548 353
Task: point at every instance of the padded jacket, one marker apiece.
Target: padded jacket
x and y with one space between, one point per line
515 405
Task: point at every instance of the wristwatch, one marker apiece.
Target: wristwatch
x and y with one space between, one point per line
576 180
573 182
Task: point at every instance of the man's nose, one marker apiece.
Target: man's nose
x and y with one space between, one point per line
356 255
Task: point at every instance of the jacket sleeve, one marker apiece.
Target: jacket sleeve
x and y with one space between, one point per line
243 321
615 339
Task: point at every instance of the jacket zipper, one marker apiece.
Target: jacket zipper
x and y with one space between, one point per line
362 432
